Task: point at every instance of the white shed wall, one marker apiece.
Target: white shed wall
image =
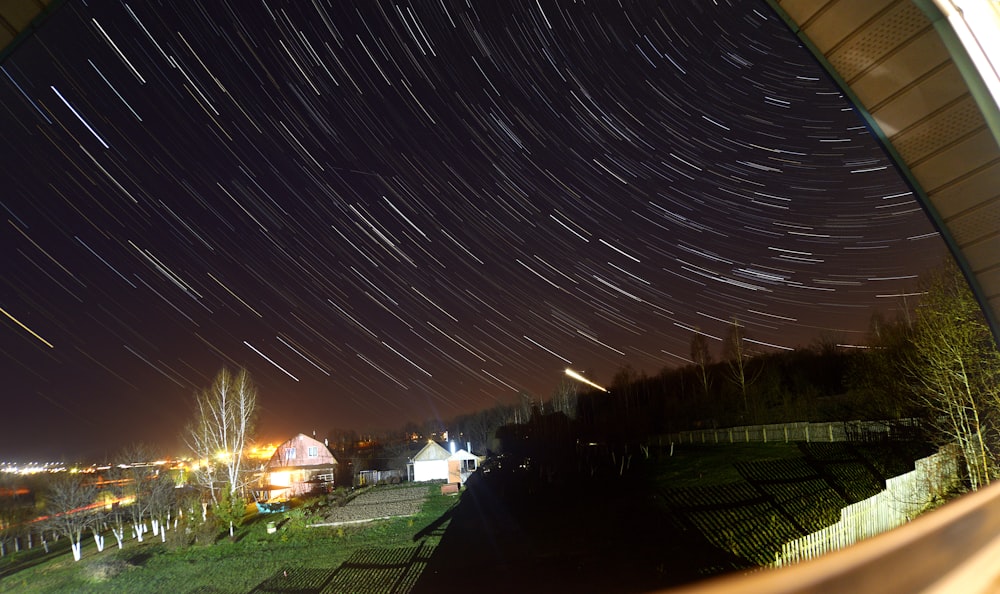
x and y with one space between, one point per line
430 470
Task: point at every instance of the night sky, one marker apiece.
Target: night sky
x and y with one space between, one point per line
404 211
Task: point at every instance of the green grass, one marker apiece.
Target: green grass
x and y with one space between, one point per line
748 499
697 465
743 499
309 556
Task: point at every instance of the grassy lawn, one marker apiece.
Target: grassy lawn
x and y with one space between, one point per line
672 518
296 557
697 465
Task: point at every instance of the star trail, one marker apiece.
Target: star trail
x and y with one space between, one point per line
413 210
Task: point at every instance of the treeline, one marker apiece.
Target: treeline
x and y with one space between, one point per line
820 383
937 362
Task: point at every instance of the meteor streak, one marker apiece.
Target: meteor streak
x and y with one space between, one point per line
580 378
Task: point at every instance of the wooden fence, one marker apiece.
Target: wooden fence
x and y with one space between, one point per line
801 431
903 498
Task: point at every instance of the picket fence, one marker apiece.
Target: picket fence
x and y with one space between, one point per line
801 431
903 498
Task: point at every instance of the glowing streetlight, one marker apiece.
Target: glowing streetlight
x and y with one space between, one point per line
580 378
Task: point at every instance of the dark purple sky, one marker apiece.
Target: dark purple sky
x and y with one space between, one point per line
402 211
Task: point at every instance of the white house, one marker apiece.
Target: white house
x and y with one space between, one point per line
434 463
461 465
430 463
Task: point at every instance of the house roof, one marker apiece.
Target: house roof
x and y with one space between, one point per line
295 452
431 451
463 455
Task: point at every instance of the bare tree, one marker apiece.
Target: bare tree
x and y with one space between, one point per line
15 513
224 423
134 471
738 358
955 370
160 493
702 358
564 397
69 502
481 427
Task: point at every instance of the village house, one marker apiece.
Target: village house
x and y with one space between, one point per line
435 463
300 466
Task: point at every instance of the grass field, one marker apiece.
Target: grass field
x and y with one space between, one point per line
669 520
295 558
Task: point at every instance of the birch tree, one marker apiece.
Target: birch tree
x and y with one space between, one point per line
134 471
223 425
702 358
954 371
738 359
69 502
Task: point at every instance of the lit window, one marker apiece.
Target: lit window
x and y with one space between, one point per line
313 451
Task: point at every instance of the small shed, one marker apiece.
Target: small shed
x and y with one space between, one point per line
461 465
300 466
430 463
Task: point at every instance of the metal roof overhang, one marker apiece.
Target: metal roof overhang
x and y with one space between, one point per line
19 19
903 65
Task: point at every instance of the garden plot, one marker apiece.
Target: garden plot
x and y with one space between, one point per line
378 503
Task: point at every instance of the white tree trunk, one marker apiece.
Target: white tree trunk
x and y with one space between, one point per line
75 546
99 540
139 529
119 533
156 526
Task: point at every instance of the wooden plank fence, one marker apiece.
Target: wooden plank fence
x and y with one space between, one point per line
801 431
903 498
